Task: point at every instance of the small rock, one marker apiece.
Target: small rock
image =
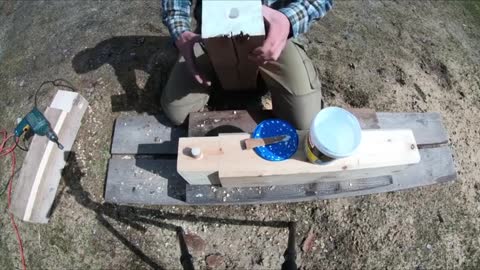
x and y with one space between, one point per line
351 65
309 241
22 83
429 247
214 261
195 243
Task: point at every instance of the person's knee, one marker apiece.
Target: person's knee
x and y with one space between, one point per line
176 115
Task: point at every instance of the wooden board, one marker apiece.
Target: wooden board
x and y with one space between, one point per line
380 153
427 127
144 181
145 134
40 175
202 124
436 166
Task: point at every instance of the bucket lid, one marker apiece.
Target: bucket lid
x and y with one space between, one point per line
336 132
277 151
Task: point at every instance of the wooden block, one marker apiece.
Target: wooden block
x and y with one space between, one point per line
144 181
229 36
232 17
145 134
40 175
380 153
199 171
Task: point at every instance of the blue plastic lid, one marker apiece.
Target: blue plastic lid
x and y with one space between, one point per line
336 132
277 151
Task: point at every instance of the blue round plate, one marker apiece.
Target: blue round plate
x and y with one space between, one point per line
277 151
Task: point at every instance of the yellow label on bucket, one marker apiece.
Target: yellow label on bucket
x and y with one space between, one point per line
308 151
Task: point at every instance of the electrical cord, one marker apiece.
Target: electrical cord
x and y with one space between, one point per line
4 151
56 82
24 148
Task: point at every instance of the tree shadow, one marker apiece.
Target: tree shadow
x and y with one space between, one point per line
141 64
134 216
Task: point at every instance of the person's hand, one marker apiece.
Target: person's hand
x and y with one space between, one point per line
185 44
277 36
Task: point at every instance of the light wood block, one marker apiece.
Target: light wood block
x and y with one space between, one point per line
380 153
231 29
37 184
232 17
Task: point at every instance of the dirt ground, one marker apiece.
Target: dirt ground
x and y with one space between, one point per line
412 56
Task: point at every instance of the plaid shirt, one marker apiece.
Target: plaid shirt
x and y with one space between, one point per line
301 13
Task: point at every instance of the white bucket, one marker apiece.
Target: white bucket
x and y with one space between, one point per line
334 133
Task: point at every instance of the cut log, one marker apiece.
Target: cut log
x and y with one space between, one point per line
40 175
231 30
381 152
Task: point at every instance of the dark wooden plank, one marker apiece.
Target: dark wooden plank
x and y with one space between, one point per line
367 118
145 134
436 167
427 127
156 182
144 181
212 123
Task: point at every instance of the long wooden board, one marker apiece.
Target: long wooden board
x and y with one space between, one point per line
156 182
144 181
37 184
427 127
380 153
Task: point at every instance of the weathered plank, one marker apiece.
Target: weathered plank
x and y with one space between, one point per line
427 127
155 182
38 181
436 167
213 123
145 134
144 181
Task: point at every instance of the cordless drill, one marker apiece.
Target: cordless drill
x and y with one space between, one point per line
36 123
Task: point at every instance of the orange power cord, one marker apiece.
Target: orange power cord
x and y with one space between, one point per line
4 151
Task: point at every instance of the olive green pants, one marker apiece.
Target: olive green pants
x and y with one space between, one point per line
292 81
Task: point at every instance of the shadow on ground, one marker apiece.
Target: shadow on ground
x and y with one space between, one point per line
134 216
130 56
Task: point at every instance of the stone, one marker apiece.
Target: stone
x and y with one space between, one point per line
214 261
194 243
309 241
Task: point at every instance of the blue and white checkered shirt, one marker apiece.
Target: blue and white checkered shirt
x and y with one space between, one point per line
301 13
